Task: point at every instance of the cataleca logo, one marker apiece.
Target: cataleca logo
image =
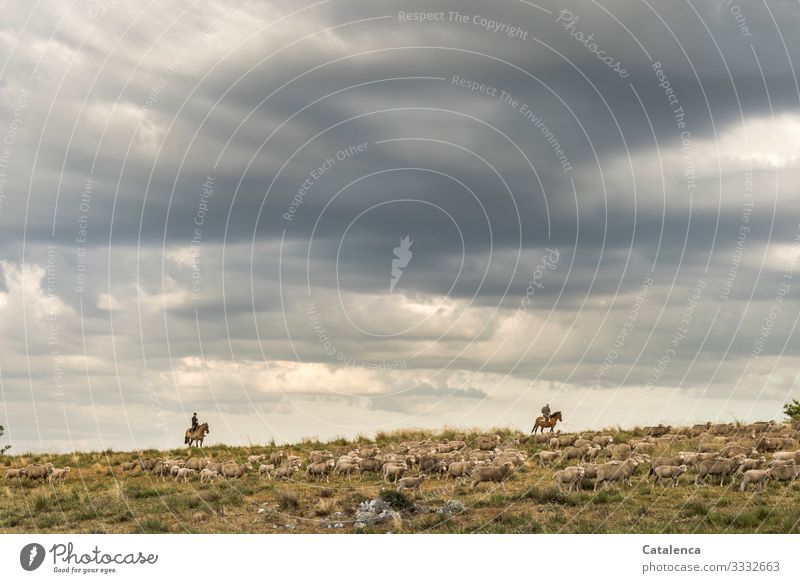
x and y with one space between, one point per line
31 556
402 255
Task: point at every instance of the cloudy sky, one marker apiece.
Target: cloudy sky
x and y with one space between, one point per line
203 206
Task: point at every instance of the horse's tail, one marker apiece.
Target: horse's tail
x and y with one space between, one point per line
186 438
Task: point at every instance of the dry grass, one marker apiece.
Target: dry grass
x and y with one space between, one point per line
98 497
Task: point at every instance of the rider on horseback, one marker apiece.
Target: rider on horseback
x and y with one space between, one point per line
546 412
195 423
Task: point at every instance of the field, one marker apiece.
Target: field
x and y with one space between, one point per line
97 497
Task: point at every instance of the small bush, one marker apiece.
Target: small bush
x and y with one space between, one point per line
287 499
397 500
325 507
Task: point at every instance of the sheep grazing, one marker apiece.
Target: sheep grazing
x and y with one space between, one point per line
318 457
589 471
603 440
785 473
433 464
492 474
667 461
616 471
369 451
58 474
15 473
691 458
256 459
718 466
658 430
787 455
373 465
487 442
266 470
161 470
756 477
410 483
773 443
571 476
196 463
37 471
393 471
276 457
575 453
346 469
734 450
184 474
233 470
128 466
619 451
668 472
546 457
207 475
777 463
581 442
752 464
148 464
593 453
285 471
460 469
319 470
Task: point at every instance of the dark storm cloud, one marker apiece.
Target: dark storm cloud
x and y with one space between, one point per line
210 177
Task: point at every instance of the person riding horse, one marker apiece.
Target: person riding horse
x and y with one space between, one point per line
195 422
546 412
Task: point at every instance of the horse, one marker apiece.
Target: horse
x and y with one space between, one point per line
196 435
551 422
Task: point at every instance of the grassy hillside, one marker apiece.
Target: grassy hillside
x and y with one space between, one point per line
98 498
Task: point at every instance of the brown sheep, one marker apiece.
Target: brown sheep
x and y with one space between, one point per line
492 474
718 466
410 483
319 470
36 471
571 476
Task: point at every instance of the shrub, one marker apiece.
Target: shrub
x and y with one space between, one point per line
397 500
287 499
792 410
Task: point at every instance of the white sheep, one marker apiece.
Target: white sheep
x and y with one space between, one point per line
184 474
254 459
668 472
410 483
571 476
58 474
266 470
207 475
757 477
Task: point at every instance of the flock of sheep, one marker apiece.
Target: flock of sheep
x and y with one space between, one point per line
721 451
47 472
489 461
